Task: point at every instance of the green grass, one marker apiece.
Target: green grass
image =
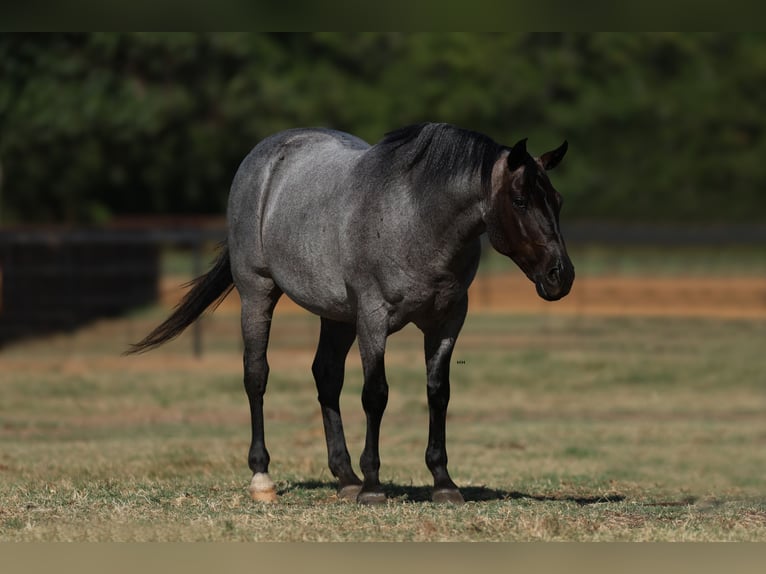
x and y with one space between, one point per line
577 428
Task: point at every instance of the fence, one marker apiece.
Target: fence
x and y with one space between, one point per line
58 280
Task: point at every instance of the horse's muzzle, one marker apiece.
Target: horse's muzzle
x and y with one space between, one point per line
556 282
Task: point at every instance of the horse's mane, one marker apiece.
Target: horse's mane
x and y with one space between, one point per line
440 151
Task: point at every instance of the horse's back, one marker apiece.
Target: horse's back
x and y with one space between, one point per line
284 208
290 153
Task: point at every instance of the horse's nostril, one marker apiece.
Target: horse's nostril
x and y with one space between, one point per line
553 275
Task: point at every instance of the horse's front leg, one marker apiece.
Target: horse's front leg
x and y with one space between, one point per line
439 341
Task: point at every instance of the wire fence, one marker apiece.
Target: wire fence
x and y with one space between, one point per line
57 280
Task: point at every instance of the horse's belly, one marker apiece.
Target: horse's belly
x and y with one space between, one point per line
314 285
325 303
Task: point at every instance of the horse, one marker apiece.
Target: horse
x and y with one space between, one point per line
371 238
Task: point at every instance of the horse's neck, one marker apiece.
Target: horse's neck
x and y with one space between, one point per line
454 220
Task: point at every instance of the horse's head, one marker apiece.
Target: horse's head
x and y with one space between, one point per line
522 219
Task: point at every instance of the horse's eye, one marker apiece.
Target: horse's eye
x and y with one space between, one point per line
519 203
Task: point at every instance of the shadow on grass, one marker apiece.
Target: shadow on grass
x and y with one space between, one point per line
470 493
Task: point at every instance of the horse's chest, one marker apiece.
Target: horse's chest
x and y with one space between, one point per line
424 302
446 293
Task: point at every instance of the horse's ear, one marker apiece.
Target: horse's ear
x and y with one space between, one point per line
552 158
518 155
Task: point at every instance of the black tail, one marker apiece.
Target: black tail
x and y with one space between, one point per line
210 288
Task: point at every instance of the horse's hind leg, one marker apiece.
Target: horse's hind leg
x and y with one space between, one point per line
258 301
335 340
372 346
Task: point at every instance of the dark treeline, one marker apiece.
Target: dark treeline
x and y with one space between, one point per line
662 127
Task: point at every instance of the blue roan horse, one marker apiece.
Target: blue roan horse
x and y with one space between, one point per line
371 238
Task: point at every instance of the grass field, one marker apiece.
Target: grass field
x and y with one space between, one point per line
561 427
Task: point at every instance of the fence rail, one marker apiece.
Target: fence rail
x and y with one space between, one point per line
59 279
578 232
666 235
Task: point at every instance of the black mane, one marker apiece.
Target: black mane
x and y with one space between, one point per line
441 151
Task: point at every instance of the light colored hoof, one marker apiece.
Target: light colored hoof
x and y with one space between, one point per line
448 495
263 495
262 488
349 492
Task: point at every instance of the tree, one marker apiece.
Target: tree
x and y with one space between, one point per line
661 126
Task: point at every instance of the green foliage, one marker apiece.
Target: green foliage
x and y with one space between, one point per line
661 126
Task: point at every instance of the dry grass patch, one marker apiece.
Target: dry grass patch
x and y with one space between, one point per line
560 428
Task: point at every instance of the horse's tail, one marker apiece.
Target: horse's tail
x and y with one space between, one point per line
206 290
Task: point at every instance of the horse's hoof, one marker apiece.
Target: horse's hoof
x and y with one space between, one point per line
263 495
262 488
371 498
448 495
349 492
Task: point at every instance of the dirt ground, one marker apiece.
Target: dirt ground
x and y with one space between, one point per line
718 297
739 297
